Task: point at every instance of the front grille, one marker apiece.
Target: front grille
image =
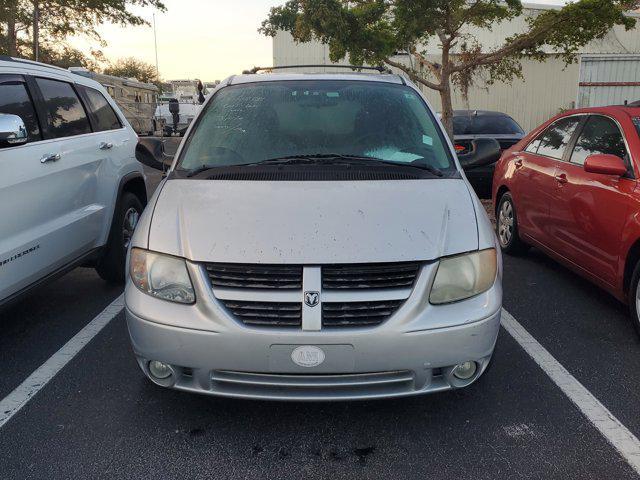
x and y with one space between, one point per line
310 387
353 295
367 276
358 314
269 314
255 276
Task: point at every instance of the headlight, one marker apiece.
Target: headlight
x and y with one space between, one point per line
464 276
161 276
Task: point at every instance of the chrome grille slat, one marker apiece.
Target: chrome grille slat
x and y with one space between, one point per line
255 276
274 314
355 314
388 275
312 387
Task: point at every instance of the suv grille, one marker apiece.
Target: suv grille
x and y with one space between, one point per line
254 276
352 295
383 275
272 314
358 314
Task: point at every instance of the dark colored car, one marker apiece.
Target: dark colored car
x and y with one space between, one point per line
471 124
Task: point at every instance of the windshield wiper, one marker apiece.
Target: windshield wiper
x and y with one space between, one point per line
321 159
341 159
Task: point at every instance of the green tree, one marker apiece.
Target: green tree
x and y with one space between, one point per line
374 31
131 67
62 18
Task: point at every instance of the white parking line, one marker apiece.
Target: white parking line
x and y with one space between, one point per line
12 403
609 426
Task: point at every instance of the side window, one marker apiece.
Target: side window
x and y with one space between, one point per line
104 116
599 135
15 100
555 138
65 114
533 146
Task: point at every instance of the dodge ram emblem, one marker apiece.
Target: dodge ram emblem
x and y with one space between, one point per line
312 298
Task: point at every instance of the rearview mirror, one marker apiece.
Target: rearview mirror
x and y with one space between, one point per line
605 164
484 151
12 131
150 152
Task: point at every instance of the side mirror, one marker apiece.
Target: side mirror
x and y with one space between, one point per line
605 164
484 151
150 152
12 131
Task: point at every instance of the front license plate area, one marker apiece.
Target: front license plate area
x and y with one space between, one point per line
334 358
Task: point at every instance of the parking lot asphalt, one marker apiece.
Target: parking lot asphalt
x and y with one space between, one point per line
100 418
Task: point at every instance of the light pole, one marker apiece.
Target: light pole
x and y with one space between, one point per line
36 30
155 41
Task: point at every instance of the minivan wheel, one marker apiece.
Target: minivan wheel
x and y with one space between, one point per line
507 227
111 266
634 298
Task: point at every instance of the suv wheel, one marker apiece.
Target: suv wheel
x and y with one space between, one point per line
112 265
634 298
507 227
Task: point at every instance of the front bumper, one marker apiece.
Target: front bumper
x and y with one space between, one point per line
413 352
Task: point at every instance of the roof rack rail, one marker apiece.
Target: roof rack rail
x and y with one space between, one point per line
379 68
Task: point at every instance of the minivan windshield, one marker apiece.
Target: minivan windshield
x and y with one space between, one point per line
254 123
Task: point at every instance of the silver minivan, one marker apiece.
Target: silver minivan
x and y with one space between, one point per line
315 239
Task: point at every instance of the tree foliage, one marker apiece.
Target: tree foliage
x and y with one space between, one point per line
374 31
131 67
60 19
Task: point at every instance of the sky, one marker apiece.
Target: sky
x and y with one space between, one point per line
205 39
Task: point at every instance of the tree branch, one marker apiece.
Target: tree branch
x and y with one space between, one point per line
413 75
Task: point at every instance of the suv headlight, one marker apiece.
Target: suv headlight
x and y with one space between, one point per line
464 276
161 276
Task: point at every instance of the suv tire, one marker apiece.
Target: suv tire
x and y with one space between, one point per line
111 267
507 227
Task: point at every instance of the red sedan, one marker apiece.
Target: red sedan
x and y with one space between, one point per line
571 188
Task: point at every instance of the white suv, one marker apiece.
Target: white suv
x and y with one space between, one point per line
71 190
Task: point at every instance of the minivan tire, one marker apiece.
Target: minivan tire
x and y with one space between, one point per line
633 297
507 227
111 267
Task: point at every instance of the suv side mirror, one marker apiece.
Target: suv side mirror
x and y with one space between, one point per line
484 151
150 152
12 131
605 164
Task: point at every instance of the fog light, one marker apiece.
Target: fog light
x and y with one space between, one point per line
159 370
464 371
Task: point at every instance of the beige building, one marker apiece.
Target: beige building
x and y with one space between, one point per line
546 88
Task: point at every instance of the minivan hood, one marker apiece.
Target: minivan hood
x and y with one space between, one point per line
313 222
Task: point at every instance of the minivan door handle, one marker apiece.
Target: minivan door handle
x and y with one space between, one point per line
50 157
106 145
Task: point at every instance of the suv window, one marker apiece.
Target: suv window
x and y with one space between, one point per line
553 141
599 135
15 100
104 116
65 114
